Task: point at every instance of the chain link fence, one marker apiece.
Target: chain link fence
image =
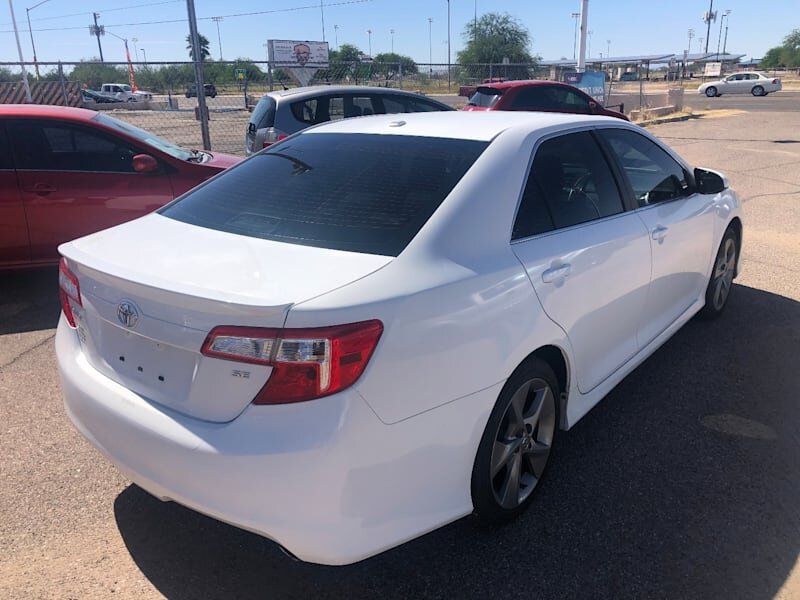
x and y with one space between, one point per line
166 103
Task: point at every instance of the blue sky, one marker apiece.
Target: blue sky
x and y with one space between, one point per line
632 26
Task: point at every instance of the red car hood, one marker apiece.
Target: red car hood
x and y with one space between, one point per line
470 107
222 161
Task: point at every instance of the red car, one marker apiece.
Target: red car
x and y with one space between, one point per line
547 96
67 172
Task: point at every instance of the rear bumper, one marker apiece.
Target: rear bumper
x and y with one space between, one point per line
325 479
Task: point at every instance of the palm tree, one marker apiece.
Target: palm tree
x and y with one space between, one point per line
204 44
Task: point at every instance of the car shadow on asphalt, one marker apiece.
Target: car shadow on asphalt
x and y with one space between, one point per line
29 300
682 483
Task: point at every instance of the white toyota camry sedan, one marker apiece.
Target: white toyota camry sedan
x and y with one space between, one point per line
379 325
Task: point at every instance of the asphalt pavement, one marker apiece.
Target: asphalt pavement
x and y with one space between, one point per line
682 483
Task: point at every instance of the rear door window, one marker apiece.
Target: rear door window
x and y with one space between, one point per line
355 192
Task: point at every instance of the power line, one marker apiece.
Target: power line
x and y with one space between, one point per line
167 21
108 10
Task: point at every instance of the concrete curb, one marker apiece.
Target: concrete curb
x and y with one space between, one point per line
660 120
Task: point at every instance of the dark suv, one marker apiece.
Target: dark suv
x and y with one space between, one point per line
280 114
211 90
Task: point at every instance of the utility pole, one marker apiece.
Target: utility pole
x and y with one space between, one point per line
219 38
391 32
135 49
198 75
708 17
369 34
691 35
582 47
725 43
608 48
28 97
336 35
98 31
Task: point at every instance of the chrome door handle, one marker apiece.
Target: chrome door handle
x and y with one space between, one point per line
659 233
556 273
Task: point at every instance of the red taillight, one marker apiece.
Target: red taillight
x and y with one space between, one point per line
306 363
775 81
69 290
275 141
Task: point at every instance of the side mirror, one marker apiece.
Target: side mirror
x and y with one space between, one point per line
709 182
593 107
144 163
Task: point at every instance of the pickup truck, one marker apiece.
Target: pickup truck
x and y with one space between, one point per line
468 90
122 91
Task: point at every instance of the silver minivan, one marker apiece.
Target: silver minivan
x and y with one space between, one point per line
280 114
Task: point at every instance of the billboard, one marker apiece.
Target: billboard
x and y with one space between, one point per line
591 82
713 69
298 53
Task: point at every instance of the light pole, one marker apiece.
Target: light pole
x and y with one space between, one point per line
145 57
608 48
725 43
691 35
430 46
721 21
336 35
135 49
448 45
30 32
589 47
369 34
391 32
21 60
219 38
322 14
575 16
97 30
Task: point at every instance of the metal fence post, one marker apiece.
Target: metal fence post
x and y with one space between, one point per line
198 75
63 83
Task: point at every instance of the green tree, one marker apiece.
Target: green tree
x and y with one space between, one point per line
94 74
204 44
390 65
785 55
494 38
347 53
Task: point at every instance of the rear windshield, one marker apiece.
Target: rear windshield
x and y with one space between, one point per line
485 97
355 192
264 113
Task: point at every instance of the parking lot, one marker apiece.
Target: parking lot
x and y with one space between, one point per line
682 483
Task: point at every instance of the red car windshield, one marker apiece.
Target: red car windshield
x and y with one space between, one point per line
144 136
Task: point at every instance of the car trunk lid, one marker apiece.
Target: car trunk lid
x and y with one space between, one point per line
148 306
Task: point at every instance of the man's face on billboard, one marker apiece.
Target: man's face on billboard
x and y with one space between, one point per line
302 53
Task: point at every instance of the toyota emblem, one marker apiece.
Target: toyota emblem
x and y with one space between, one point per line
127 313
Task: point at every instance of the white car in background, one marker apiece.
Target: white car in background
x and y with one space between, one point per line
377 326
749 82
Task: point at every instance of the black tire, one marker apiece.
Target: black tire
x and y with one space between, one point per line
188 95
721 281
711 91
516 444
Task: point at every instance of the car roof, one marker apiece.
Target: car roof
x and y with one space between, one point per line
465 125
47 111
315 90
524 83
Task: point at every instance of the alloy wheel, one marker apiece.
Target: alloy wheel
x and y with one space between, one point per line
522 443
723 273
